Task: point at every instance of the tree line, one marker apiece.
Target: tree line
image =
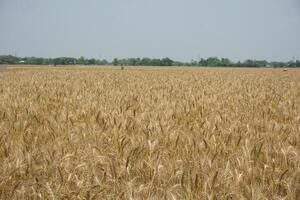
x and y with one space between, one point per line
210 62
9 59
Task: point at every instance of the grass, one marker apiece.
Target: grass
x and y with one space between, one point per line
149 133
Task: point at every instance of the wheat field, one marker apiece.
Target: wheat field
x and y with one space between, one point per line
149 133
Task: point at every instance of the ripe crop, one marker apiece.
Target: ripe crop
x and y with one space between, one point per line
149 133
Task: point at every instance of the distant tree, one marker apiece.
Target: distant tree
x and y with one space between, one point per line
156 62
225 62
115 61
290 64
81 60
193 63
177 63
63 61
131 61
261 63
37 61
145 62
213 61
248 63
56 61
46 61
297 63
202 62
91 61
166 62
278 64
9 59
101 62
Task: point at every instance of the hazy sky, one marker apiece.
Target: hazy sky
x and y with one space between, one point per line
179 29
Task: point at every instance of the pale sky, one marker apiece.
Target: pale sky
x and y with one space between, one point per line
179 29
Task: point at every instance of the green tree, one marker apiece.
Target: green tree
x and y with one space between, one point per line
213 61
225 62
166 62
202 62
9 59
81 60
115 61
297 63
91 61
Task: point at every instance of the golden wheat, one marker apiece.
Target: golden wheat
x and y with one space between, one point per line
149 133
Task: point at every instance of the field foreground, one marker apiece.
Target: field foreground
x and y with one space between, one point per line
149 133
